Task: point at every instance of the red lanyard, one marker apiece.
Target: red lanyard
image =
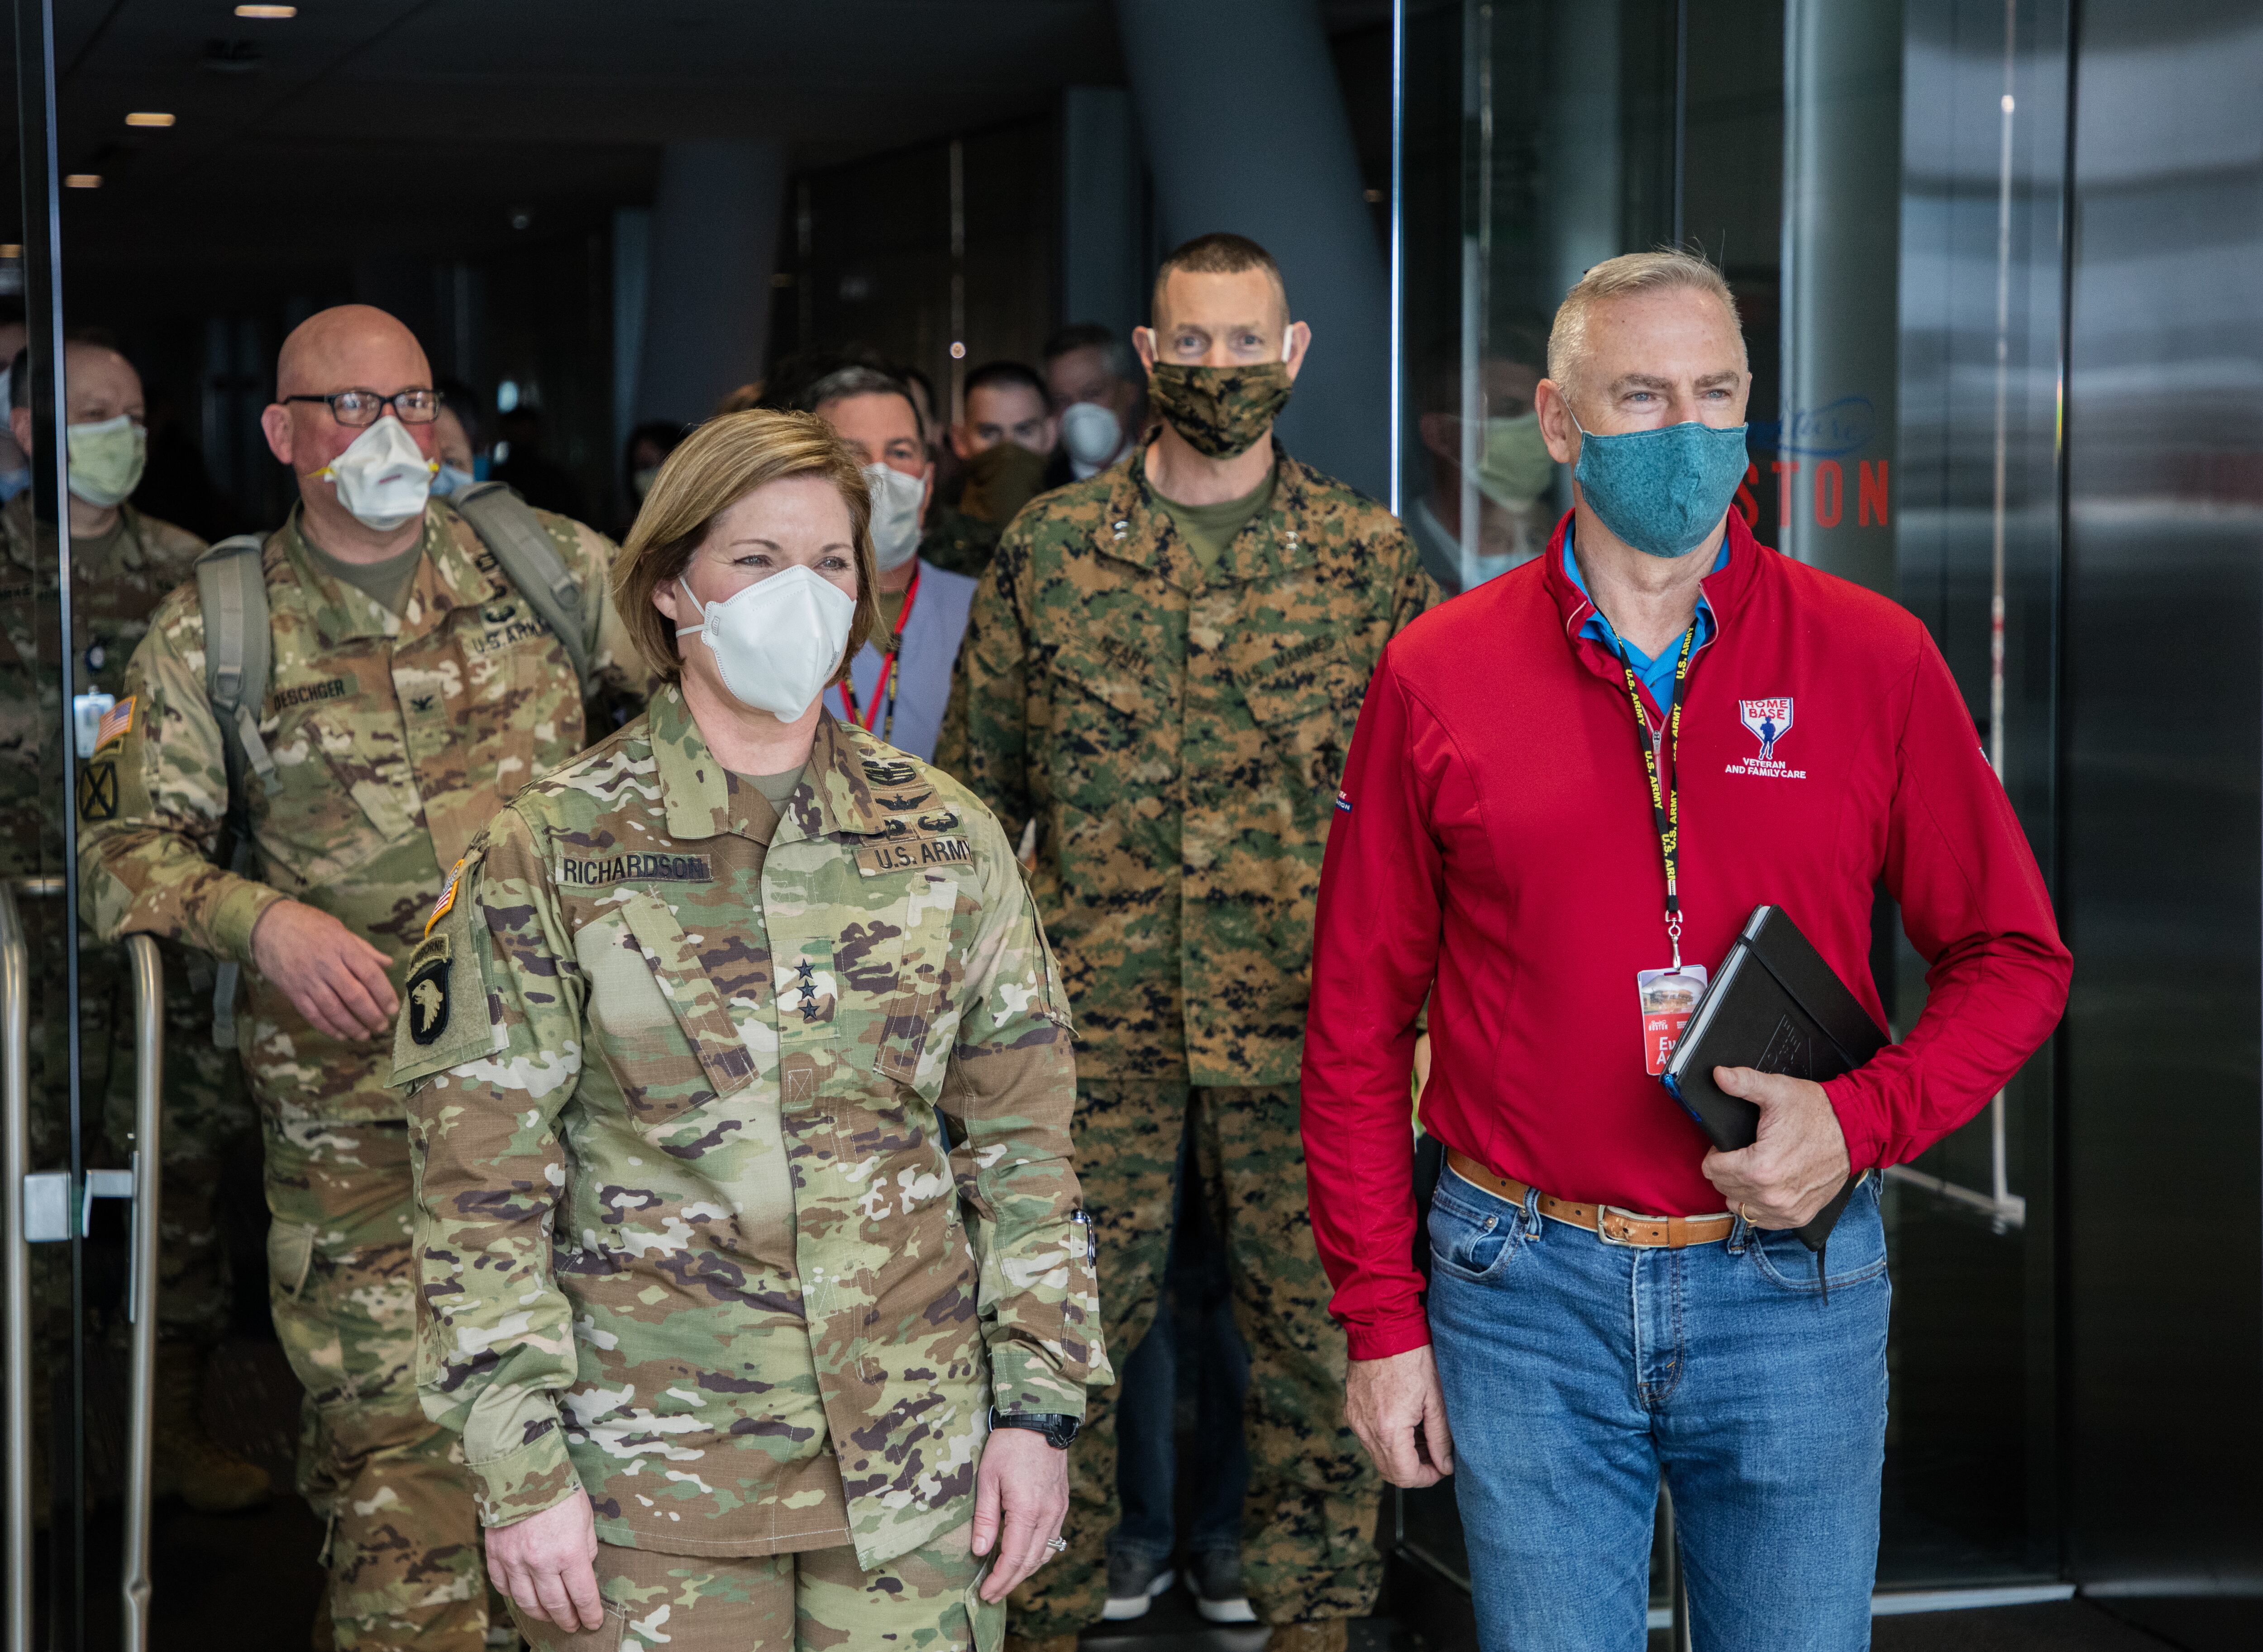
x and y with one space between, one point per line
889 674
1665 805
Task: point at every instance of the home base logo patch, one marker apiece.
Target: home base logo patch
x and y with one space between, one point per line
1768 721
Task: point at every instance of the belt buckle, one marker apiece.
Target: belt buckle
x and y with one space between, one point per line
1603 1216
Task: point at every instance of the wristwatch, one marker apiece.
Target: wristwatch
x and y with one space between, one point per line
1057 1427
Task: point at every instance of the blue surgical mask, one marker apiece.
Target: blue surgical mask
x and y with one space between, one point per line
1662 491
448 481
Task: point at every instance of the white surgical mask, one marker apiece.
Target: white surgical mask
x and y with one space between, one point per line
383 479
106 458
448 481
1092 436
778 642
896 502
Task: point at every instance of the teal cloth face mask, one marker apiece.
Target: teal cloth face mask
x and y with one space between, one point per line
1663 491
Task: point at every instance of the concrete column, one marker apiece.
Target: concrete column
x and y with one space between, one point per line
707 291
1102 244
1245 130
1842 160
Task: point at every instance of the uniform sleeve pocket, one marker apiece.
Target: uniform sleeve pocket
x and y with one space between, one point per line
290 1255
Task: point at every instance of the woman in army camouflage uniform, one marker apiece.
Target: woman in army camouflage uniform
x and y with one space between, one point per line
742 1353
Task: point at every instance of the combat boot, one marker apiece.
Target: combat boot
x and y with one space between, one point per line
190 1464
1329 1634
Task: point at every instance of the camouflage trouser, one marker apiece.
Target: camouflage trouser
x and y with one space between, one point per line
919 1602
1308 1527
206 1114
404 1549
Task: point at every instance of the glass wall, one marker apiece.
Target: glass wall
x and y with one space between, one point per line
1882 183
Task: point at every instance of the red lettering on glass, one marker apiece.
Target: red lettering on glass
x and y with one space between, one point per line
1870 493
1830 494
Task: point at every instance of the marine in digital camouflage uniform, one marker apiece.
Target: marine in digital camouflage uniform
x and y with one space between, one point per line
1177 734
396 739
117 578
688 1229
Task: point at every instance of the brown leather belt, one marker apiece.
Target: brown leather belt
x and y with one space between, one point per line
1606 1223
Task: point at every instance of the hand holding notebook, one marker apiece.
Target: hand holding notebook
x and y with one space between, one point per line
1775 1008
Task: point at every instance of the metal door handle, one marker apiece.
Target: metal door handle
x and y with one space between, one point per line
16 1147
16 1269
148 970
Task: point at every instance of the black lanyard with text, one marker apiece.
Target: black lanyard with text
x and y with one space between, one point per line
1665 804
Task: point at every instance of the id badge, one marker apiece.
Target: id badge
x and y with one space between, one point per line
1669 997
87 712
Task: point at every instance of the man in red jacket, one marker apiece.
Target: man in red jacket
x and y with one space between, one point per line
1610 1298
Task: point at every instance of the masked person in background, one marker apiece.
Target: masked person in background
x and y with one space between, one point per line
1490 501
683 1175
122 564
1161 669
456 439
899 680
420 671
1099 395
1006 446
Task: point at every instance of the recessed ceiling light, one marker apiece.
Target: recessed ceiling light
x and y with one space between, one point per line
82 180
267 12
149 118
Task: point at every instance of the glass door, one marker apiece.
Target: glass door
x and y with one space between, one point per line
81 1023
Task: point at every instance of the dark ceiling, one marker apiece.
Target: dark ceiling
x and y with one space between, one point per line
364 128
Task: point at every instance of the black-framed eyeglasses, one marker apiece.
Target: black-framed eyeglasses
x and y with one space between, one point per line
355 408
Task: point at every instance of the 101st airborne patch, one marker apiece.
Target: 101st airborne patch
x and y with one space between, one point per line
428 989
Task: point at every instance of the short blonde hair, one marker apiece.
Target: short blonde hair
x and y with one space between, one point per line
1623 276
713 468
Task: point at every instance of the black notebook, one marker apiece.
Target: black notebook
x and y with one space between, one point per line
1776 1007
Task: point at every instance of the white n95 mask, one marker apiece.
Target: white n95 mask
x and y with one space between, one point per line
778 642
896 502
383 479
1092 436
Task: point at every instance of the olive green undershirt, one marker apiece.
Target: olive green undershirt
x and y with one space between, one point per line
891 604
778 788
384 583
1209 528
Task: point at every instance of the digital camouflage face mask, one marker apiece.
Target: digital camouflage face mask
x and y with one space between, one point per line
1221 411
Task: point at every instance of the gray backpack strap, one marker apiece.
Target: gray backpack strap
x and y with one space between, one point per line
239 657
508 526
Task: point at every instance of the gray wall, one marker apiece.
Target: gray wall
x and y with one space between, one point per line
2163 710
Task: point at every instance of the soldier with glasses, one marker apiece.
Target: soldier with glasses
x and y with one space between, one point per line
306 741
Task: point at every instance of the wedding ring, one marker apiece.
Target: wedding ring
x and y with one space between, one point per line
1745 1214
1059 1544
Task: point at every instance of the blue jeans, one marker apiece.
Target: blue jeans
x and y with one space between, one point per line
1194 1320
1576 1372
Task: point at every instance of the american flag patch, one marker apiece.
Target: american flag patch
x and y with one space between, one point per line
115 723
1343 802
447 897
